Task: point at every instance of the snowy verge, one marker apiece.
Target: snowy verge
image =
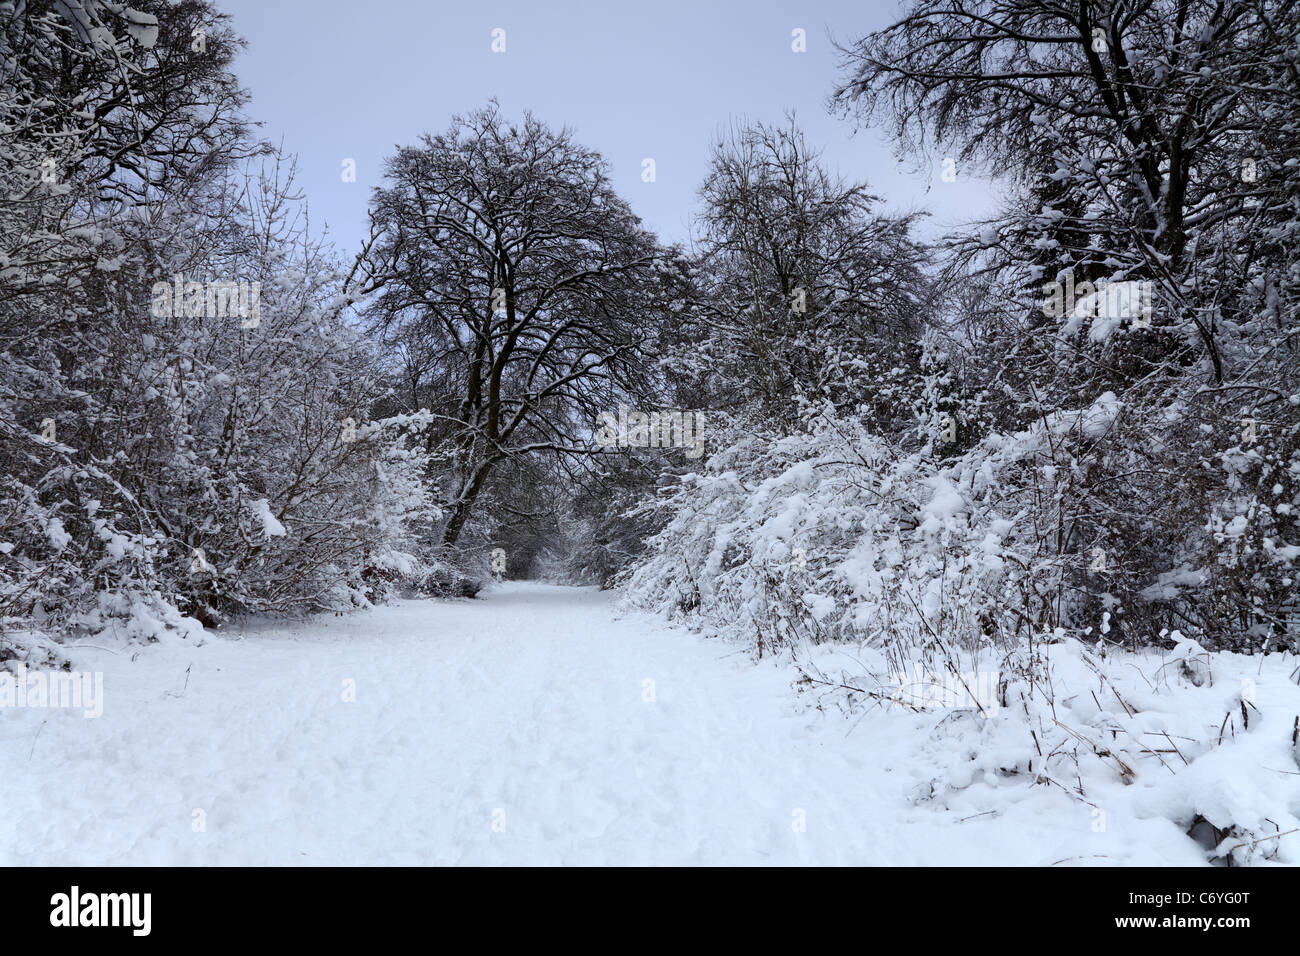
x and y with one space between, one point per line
1207 741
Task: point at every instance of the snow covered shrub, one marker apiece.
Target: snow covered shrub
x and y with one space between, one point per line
1042 528
1181 513
450 572
1201 740
834 534
20 644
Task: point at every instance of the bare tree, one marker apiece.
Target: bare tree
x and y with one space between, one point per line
519 286
1139 122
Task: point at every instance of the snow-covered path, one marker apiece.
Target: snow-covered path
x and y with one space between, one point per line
529 726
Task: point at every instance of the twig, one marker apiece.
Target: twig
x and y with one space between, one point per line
1275 836
34 739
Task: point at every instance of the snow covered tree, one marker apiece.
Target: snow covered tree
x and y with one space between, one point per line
517 289
175 369
1148 146
806 289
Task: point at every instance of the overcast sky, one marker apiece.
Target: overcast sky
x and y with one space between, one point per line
339 80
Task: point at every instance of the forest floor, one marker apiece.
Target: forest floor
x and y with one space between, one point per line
533 725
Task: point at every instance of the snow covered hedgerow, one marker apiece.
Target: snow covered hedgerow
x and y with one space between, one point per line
1073 521
165 461
167 466
834 535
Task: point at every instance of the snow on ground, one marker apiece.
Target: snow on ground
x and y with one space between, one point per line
530 726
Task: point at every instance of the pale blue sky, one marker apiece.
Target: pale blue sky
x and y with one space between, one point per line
336 80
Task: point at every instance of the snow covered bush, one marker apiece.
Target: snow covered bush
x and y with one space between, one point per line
836 532
1191 743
